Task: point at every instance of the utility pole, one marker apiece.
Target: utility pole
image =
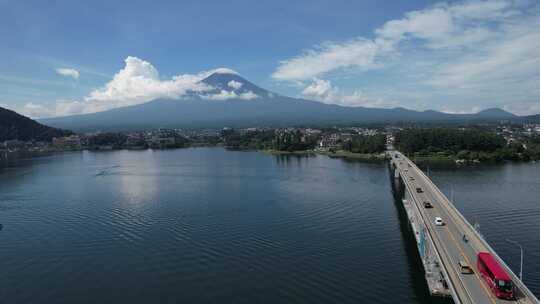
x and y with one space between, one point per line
521 260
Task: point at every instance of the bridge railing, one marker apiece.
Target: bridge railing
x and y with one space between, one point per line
455 295
519 284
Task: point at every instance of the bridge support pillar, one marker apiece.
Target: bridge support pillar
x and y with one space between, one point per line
433 274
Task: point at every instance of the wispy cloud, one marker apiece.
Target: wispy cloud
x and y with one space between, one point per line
31 81
439 27
467 111
329 56
82 69
488 51
59 108
68 72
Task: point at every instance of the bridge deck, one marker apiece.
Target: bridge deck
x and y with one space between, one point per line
467 288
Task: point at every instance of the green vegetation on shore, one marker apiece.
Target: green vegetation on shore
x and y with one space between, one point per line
362 144
296 142
441 144
354 155
255 140
466 145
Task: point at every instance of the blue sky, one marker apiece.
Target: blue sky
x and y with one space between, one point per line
69 57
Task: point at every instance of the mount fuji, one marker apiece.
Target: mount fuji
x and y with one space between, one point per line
233 101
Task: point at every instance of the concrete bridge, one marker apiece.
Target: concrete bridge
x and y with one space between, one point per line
442 248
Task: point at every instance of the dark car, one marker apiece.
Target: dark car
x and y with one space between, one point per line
419 190
428 205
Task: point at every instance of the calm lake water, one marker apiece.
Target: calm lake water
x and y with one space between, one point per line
207 225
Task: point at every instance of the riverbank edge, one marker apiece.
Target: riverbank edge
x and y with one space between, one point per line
337 154
346 155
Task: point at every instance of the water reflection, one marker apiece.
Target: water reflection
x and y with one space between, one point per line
297 159
206 225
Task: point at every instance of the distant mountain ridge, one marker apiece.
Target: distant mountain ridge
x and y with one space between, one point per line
235 102
532 118
15 126
496 113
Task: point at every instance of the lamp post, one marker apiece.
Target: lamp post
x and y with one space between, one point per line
521 260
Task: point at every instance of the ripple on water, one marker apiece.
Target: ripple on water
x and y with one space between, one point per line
207 226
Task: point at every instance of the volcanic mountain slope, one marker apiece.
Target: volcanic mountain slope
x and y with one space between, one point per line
233 101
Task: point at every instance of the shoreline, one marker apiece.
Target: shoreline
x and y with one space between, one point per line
338 154
346 155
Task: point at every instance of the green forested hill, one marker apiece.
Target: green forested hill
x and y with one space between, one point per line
16 126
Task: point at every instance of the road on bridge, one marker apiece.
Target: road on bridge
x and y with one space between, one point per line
470 288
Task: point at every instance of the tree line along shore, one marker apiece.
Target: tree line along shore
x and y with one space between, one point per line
456 144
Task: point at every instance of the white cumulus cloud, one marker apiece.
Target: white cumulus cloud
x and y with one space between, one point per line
324 91
249 95
68 72
224 95
138 82
235 84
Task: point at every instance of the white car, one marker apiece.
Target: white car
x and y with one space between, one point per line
439 221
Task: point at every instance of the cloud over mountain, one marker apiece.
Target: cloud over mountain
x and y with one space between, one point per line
224 95
323 91
138 82
453 56
471 50
234 84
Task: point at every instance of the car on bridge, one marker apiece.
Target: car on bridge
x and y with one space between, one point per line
419 190
465 268
427 204
439 221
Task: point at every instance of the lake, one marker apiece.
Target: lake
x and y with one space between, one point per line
206 225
